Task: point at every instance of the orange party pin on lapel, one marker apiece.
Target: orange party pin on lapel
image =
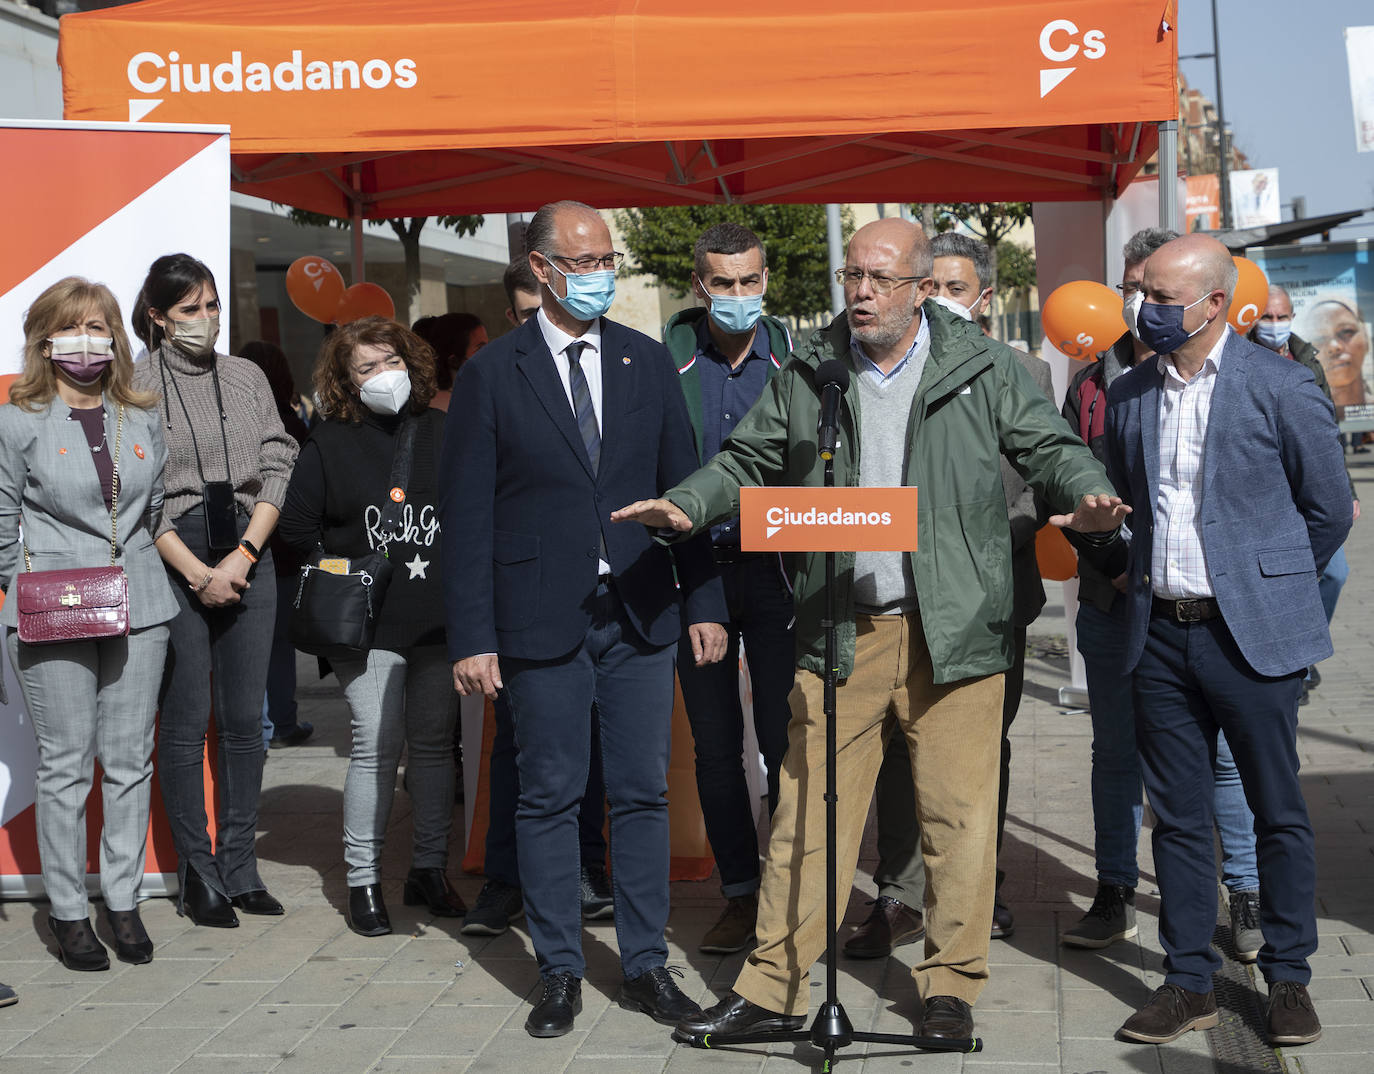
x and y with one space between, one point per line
138 450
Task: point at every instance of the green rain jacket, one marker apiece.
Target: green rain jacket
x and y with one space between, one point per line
974 402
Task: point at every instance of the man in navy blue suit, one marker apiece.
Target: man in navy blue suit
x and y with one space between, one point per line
1229 456
551 427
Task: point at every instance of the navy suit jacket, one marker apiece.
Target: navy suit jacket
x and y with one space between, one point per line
522 510
1275 502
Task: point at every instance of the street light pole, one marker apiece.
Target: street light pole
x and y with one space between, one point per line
1223 154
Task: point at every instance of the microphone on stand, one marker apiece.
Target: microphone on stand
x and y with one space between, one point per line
832 378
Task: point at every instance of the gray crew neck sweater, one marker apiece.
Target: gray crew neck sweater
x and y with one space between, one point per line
261 452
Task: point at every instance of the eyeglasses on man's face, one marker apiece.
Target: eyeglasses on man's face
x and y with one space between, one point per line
881 283
581 265
1128 289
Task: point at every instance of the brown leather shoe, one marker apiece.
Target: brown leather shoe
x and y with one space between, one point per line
1169 1014
947 1018
891 924
734 931
1290 1018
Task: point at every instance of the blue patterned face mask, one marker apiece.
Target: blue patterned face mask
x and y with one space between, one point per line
590 294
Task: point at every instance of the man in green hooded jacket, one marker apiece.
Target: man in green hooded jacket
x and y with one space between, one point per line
923 636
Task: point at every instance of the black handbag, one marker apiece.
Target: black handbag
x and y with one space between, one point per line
338 598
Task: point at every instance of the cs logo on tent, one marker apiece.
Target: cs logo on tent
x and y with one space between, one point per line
1060 42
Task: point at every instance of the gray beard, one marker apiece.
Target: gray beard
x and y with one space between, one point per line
879 335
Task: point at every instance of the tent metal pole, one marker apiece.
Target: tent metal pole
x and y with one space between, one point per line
835 245
1168 175
355 212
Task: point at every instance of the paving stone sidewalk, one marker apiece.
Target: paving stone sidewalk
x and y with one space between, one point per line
301 993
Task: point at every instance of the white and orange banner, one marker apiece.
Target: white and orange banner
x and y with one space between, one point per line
102 201
827 520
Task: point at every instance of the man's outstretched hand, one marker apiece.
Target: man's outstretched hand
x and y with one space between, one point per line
1094 514
656 514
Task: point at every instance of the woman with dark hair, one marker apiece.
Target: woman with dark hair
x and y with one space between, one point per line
81 458
373 379
454 338
229 462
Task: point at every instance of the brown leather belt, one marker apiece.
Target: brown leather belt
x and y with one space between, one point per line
1189 610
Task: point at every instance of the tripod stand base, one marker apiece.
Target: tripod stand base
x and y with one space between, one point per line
830 1031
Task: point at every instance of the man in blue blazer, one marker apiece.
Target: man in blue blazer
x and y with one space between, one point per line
551 427
1229 457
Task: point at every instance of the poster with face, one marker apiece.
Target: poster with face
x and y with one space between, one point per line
1332 288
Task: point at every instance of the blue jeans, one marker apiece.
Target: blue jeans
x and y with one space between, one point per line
1235 824
631 684
1332 581
761 612
1115 760
1190 683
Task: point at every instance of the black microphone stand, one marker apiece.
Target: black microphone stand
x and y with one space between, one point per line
832 1028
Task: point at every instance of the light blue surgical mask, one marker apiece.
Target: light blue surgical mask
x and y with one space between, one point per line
590 294
1274 334
735 314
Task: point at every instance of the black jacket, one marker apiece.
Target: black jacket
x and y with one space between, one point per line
336 497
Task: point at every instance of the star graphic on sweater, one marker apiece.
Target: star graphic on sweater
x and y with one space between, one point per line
418 567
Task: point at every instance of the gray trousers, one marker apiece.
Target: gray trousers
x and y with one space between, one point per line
398 699
92 700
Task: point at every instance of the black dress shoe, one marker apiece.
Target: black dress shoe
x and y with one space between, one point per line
598 903
947 1018
656 994
132 944
294 737
257 901
367 914
735 1014
77 945
204 905
430 887
560 1002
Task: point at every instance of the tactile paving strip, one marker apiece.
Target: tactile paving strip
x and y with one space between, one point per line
1238 1045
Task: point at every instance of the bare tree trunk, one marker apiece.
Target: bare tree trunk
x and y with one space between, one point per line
408 231
928 219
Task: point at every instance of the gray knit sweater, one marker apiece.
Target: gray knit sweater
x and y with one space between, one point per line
261 452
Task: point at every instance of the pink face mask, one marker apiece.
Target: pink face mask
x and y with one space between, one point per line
82 358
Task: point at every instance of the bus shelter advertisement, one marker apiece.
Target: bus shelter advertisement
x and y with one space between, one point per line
1332 287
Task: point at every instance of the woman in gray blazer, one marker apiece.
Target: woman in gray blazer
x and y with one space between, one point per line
70 412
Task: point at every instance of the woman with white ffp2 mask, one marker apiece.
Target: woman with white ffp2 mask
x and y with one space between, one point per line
376 379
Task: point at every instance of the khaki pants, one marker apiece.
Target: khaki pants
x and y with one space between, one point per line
953 734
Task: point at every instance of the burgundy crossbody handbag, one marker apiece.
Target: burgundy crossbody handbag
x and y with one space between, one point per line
84 604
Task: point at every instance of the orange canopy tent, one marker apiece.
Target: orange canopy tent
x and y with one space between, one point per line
376 109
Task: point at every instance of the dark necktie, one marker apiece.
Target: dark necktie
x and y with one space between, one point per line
582 403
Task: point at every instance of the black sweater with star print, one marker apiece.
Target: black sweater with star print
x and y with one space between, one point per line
339 488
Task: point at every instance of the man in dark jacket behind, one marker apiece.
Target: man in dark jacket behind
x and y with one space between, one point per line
922 637
725 354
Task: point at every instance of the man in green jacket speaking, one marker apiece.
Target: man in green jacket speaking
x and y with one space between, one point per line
923 636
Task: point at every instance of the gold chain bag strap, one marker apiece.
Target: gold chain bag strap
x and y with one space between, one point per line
83 604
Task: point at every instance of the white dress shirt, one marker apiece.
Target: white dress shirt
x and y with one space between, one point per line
1179 562
590 361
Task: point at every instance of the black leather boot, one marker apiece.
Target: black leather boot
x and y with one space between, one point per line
367 914
430 887
204 905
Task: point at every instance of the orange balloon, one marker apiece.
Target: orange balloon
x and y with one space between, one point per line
1252 295
5 382
364 300
1054 555
1082 317
315 287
